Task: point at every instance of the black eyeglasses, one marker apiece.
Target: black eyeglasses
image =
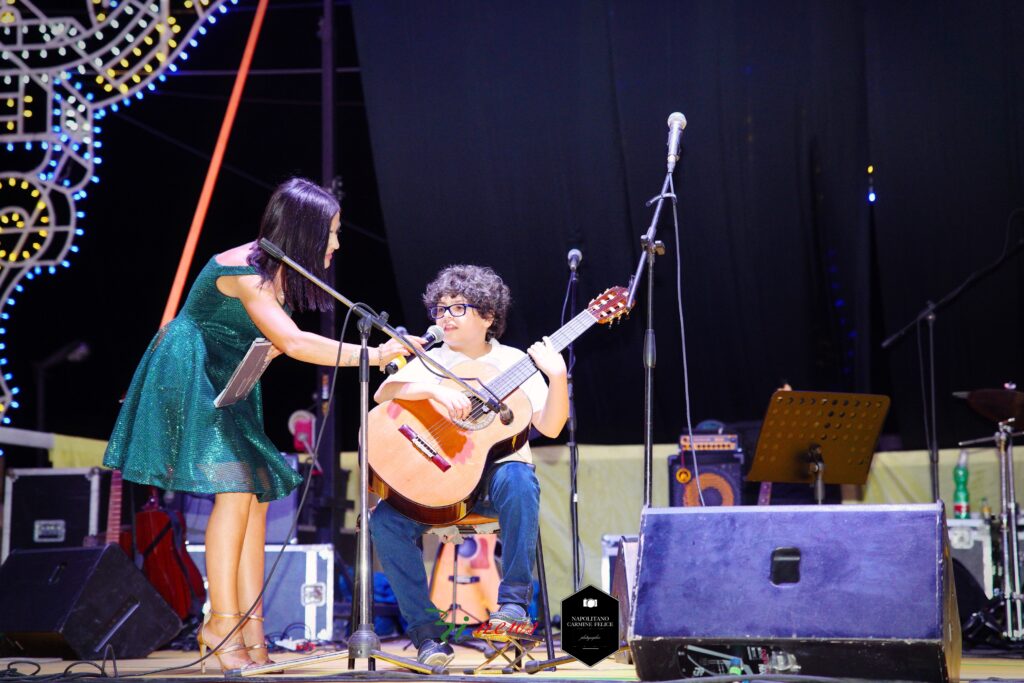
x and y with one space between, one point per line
456 310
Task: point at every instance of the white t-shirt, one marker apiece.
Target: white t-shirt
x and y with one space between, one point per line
501 357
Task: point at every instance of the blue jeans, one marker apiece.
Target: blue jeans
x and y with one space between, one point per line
513 497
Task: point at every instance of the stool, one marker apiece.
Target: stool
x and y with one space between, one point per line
472 525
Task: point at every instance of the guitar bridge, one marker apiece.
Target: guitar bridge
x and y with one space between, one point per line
423 447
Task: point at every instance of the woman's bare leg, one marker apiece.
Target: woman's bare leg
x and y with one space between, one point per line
225 534
250 577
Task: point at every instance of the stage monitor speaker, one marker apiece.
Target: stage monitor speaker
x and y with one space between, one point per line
74 602
623 580
852 591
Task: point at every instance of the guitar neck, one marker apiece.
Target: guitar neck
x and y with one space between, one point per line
510 380
113 532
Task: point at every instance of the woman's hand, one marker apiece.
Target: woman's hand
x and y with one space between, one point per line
393 348
548 361
455 402
273 353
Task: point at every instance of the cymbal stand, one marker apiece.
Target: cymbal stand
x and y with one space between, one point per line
1011 588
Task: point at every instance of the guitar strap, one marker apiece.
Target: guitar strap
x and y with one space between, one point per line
152 544
178 534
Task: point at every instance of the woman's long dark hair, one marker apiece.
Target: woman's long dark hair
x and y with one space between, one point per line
298 220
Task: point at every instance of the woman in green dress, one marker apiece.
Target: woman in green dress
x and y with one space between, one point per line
170 435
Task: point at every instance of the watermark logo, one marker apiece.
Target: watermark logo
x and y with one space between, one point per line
590 625
453 632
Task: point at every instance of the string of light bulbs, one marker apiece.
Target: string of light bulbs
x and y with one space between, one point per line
59 76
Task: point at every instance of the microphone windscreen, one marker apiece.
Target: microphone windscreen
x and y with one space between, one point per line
271 248
435 335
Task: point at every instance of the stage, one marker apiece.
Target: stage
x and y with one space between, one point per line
973 668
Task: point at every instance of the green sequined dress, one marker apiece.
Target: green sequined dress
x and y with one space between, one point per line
169 434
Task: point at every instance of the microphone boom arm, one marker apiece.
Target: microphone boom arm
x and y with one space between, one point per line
380 322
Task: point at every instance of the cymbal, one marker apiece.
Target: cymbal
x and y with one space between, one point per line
997 405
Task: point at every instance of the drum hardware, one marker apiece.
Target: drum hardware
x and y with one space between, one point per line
1006 408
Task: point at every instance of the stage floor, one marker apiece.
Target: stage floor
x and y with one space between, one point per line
973 668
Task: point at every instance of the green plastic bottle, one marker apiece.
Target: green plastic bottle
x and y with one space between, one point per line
961 499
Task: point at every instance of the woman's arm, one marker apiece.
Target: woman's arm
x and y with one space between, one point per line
260 302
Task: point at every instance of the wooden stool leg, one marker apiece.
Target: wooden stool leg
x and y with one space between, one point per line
545 605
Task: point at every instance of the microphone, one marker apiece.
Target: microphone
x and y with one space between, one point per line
676 123
271 248
433 336
575 256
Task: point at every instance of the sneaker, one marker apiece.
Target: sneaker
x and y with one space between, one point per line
508 614
433 652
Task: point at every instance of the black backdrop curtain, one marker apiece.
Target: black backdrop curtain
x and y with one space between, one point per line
507 133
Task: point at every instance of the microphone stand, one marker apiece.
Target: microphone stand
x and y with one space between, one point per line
651 247
364 643
928 314
574 452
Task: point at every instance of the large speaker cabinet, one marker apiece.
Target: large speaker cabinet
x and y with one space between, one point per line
854 591
74 602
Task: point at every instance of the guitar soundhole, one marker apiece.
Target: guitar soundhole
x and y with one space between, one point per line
481 416
467 548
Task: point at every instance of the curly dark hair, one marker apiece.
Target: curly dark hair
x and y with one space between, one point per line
479 286
298 220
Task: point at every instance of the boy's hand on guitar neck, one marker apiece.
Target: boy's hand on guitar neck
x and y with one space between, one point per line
547 360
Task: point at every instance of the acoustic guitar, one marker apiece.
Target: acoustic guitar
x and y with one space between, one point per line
430 468
471 569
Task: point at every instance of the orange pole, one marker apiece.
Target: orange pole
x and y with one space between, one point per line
215 163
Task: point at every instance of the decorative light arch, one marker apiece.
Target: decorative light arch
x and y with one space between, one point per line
59 76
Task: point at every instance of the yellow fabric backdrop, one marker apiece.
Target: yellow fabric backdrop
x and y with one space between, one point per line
610 485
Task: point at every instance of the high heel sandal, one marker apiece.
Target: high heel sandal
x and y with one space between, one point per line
204 646
261 645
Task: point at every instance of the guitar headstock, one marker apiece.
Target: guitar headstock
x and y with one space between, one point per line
610 305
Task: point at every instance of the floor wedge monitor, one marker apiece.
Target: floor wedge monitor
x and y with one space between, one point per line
852 591
76 602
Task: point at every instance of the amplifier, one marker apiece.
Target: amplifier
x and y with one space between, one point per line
710 442
719 465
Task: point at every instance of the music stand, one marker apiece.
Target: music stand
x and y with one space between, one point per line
818 438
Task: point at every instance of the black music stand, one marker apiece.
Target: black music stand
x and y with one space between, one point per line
818 438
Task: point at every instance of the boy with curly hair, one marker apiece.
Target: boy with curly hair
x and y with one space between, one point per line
471 304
